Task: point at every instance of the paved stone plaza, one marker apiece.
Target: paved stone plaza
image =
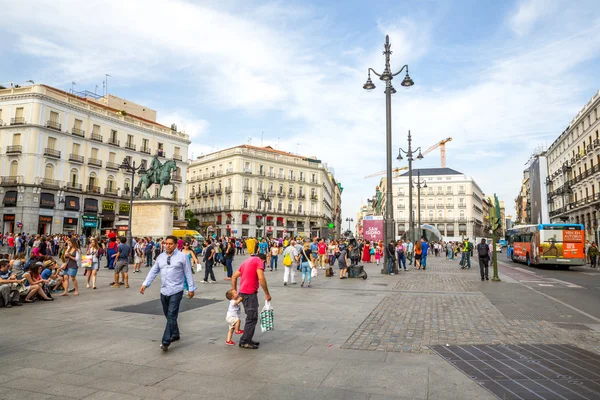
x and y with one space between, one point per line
340 339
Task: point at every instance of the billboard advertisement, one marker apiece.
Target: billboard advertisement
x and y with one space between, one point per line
373 229
538 173
562 243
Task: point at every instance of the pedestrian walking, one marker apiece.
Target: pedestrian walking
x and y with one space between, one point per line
92 271
483 254
209 261
418 253
400 252
305 265
290 256
465 261
593 253
252 275
410 249
122 263
425 251
173 266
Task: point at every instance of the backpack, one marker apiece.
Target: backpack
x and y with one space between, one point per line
482 250
287 260
30 243
470 246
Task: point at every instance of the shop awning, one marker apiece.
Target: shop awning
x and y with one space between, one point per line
245 216
10 198
279 218
270 217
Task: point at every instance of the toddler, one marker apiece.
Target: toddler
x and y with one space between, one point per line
233 315
378 254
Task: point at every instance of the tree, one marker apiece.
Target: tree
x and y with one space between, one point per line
192 221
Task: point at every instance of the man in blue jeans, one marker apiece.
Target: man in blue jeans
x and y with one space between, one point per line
425 249
400 250
391 256
173 265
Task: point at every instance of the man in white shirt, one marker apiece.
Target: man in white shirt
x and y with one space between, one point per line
289 274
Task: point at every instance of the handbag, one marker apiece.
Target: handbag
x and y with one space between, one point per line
86 261
266 318
310 263
314 273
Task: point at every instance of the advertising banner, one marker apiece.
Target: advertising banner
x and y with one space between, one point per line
562 244
373 229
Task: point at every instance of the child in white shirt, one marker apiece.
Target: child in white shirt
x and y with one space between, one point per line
233 315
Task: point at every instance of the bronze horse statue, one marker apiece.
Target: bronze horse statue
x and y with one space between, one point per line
160 176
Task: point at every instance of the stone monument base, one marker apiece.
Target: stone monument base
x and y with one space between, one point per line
152 218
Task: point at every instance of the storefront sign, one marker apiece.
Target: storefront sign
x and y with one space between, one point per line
123 208
108 207
8 218
10 198
72 203
44 219
90 205
47 200
46 212
70 221
89 221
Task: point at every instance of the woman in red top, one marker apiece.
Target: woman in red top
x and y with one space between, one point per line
366 256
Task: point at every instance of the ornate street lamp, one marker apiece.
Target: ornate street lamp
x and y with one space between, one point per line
387 77
419 184
410 156
128 168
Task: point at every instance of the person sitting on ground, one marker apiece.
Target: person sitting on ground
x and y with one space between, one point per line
51 274
233 315
8 291
35 282
17 266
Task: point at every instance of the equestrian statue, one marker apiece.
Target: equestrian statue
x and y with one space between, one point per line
159 174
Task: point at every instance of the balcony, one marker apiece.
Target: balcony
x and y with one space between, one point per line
271 193
314 182
78 132
280 194
440 205
247 189
10 180
161 153
281 176
450 192
229 171
212 174
96 137
449 205
218 191
176 178
301 179
430 206
227 208
50 183
94 162
177 157
92 189
74 186
400 206
596 143
272 175
462 205
462 192
301 196
48 152
228 189
145 150
112 165
53 125
247 171
291 195
130 146
279 223
219 173
205 193
114 142
14 149
76 158
211 192
245 222
17 121
111 191
314 197
292 178
262 173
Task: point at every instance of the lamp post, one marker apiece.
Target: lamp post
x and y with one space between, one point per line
265 198
387 76
410 156
349 221
419 184
128 168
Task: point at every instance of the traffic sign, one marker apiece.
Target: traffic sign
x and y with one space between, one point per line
235 231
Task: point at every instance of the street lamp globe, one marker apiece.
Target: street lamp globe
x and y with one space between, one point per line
399 158
407 81
369 85
420 156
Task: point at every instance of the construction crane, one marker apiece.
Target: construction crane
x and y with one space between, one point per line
442 145
396 172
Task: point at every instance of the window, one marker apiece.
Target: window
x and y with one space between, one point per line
49 171
74 177
462 214
110 183
14 168
16 139
92 180
177 152
144 144
430 214
290 206
19 112
76 148
53 116
261 169
113 135
94 153
96 129
313 178
52 143
126 185
111 157
440 214
247 166
129 140
280 206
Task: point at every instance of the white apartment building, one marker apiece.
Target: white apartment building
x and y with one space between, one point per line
247 190
452 202
573 170
60 155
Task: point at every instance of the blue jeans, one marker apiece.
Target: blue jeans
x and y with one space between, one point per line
424 261
401 260
273 262
391 262
170 305
449 252
148 259
466 260
229 265
306 272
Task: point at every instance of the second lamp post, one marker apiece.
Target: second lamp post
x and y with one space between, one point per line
410 156
387 76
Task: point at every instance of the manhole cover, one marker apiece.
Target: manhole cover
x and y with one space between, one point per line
529 371
154 307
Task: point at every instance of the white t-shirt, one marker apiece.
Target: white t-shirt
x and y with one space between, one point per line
233 310
274 251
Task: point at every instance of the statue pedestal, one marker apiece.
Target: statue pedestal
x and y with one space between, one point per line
152 217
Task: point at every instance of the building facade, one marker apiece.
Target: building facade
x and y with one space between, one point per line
522 201
255 191
452 202
573 170
60 155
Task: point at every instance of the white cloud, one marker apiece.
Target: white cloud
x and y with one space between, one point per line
241 59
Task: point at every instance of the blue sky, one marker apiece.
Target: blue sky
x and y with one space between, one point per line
500 77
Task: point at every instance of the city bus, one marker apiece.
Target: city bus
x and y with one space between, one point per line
562 245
